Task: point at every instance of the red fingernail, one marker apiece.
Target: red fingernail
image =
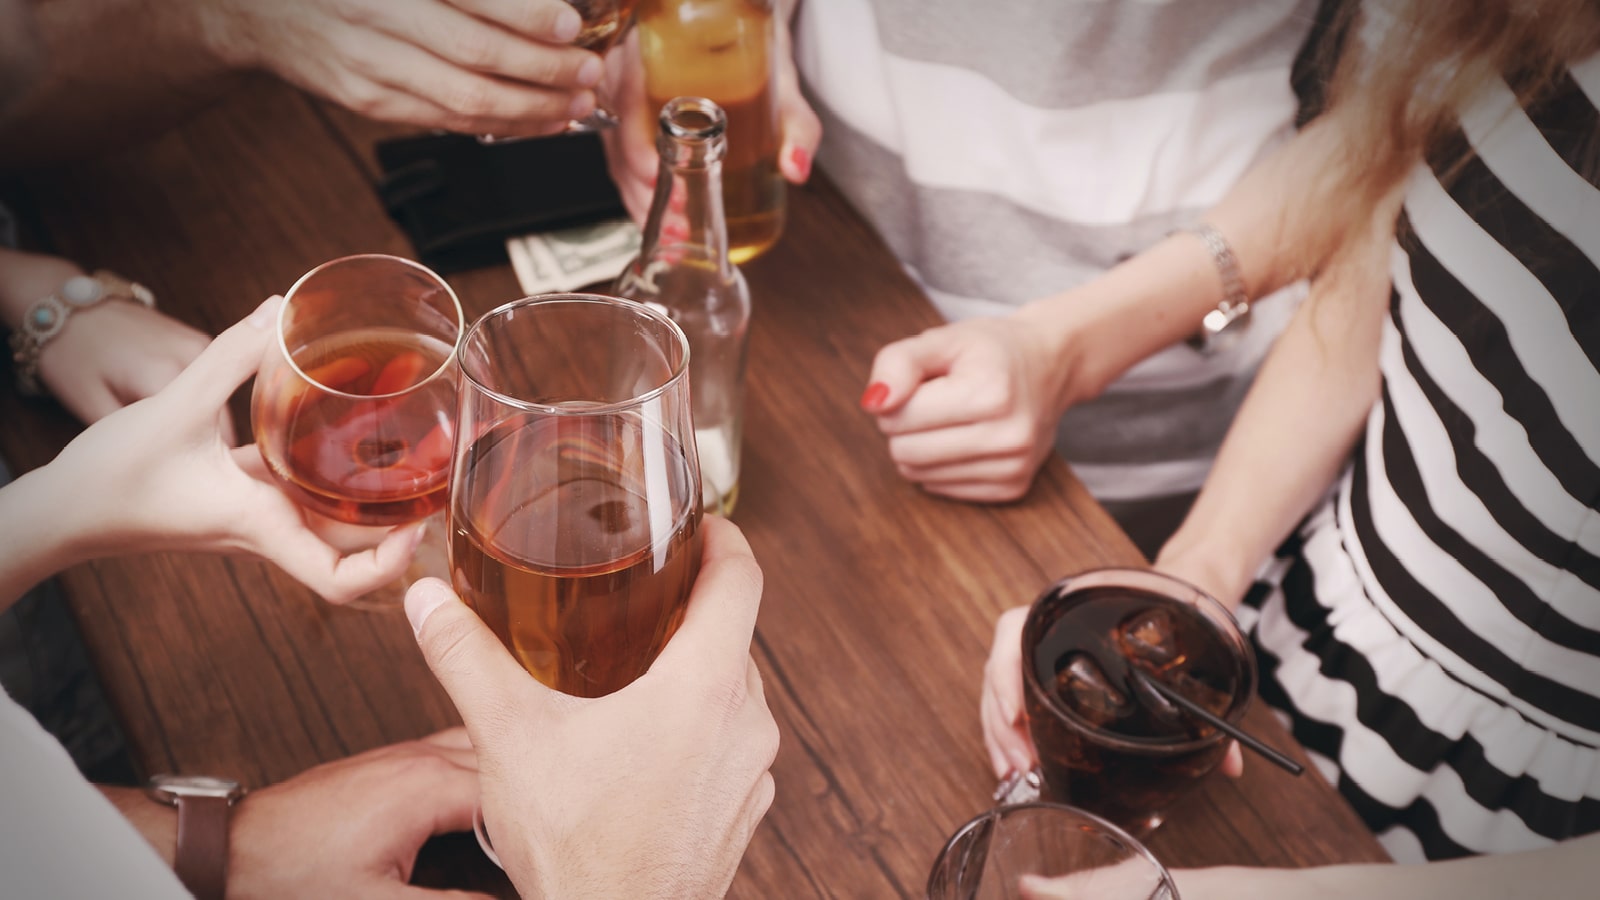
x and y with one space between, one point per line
872 398
801 160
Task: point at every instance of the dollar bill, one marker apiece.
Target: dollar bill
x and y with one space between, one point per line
571 258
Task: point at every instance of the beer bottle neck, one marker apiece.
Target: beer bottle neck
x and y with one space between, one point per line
686 222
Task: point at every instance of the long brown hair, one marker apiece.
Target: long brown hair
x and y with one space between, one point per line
1403 89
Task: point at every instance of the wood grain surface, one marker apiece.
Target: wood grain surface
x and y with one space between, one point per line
879 601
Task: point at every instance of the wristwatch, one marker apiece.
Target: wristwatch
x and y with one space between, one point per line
1221 328
203 803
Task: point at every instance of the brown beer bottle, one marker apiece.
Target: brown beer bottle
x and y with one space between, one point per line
723 50
683 269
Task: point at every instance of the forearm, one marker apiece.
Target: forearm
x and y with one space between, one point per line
1565 871
115 71
33 543
1296 428
25 278
1277 218
1159 296
1098 331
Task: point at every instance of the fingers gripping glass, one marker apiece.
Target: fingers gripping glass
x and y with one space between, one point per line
575 496
604 24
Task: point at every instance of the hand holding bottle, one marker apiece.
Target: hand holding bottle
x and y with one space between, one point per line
717 51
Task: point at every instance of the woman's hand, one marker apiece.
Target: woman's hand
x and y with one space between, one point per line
1005 730
970 408
114 354
106 356
631 146
161 474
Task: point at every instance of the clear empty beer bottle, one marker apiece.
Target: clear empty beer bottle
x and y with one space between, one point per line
683 268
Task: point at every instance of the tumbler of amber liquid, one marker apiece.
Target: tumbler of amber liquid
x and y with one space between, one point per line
724 50
575 494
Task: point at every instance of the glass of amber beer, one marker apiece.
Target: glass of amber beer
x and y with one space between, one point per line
575 491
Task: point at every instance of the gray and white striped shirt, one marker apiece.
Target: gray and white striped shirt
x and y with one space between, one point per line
1011 151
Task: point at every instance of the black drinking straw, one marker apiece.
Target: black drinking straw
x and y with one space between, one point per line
1217 722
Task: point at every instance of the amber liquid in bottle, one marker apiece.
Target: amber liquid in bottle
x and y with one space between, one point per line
722 50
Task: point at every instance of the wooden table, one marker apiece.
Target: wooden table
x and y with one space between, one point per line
879 602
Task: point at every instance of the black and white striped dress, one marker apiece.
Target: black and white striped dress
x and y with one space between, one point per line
1433 631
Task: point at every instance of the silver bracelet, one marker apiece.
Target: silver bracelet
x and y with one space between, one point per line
1221 327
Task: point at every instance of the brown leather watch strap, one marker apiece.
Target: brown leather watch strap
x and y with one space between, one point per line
202 857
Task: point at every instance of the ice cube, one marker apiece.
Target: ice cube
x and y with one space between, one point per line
1151 636
1083 684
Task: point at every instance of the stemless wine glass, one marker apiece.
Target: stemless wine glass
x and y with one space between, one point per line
1106 742
354 409
1045 851
575 495
575 499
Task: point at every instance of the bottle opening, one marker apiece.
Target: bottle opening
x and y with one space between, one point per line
693 118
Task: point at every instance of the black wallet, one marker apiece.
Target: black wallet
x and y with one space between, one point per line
458 198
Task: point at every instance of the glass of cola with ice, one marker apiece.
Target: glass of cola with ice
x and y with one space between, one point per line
1108 743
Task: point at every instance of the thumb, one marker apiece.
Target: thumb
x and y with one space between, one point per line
229 360
475 669
723 605
900 367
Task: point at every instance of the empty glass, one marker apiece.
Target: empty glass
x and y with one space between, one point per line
1046 851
